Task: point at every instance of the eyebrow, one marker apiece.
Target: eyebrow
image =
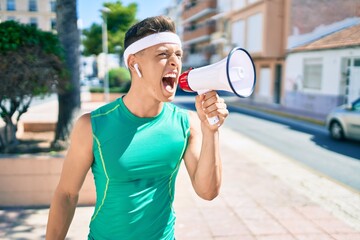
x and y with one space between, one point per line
163 49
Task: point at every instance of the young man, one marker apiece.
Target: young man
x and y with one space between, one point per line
135 145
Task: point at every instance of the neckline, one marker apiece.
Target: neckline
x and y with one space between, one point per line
135 118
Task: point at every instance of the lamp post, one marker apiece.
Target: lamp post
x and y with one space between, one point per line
118 49
104 12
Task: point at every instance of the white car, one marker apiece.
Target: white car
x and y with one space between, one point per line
344 121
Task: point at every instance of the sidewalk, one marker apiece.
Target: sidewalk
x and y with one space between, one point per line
264 196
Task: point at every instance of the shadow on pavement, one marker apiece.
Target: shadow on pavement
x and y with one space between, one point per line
15 225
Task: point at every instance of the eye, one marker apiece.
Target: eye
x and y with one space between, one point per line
163 54
179 55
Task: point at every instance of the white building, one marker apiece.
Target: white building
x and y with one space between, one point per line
324 73
39 13
88 66
113 61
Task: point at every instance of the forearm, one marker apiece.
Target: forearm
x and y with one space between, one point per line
60 216
209 169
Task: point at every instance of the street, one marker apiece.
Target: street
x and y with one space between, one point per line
303 142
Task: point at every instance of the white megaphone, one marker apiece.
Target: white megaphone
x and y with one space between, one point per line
235 73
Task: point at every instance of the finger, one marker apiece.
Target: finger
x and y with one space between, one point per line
199 107
199 101
211 99
215 107
221 113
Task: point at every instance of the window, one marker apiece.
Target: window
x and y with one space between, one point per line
32 6
224 5
357 62
255 33
53 24
312 73
265 82
238 4
238 33
53 6
33 22
10 5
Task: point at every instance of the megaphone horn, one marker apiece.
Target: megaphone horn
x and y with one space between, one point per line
235 73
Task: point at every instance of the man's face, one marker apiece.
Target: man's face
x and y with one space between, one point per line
160 67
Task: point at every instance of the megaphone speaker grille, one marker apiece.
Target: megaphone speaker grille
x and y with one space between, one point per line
241 74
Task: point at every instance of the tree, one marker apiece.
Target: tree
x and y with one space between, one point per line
30 65
92 43
119 20
69 99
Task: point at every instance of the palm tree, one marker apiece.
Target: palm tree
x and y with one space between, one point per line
69 99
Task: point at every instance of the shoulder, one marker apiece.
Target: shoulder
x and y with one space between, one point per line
82 126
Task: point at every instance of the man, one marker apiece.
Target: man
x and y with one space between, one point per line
135 145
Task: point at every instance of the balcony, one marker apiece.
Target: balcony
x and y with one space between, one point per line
194 11
199 31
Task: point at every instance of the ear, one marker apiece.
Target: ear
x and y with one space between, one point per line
131 64
131 61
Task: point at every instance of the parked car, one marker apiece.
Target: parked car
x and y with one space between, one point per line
344 121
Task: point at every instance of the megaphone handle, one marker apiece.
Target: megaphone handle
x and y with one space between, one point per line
212 120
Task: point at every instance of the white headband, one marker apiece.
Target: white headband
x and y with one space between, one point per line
149 41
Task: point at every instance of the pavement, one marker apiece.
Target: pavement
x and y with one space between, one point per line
264 196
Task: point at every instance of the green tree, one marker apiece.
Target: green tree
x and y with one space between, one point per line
119 19
92 42
31 64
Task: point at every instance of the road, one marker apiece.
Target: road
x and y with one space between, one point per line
304 142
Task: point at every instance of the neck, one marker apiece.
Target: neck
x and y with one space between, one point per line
142 106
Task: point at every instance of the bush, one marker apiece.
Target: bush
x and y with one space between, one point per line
123 89
119 77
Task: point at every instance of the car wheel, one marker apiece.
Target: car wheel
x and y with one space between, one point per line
336 131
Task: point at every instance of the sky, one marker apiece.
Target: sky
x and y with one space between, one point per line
88 10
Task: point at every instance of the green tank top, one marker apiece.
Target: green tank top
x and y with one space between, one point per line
136 161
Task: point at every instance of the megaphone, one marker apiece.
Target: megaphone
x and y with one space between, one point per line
235 73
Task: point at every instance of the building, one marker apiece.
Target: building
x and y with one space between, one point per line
111 60
214 28
174 11
39 13
260 27
198 26
325 72
267 29
321 60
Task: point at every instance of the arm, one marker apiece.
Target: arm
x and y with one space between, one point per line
76 165
202 156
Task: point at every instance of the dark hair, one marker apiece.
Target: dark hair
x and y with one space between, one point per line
147 27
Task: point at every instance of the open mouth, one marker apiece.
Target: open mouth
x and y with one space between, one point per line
169 81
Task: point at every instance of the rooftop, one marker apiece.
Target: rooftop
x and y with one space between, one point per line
348 37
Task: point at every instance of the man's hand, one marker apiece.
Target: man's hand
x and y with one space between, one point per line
210 105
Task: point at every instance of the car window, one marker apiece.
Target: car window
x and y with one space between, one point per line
356 105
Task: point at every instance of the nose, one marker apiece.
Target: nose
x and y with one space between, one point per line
174 60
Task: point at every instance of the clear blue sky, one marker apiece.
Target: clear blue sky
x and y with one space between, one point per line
88 10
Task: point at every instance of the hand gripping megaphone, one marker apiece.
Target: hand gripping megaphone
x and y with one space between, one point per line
235 73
